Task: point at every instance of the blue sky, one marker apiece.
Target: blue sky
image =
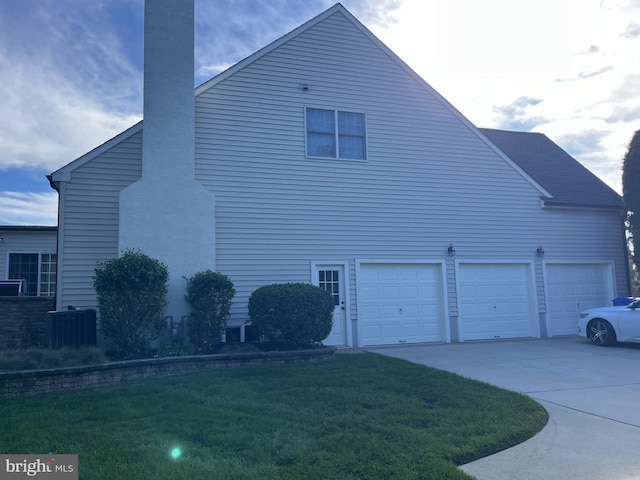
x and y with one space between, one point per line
71 72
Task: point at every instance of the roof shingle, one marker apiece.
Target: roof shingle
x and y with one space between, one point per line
570 183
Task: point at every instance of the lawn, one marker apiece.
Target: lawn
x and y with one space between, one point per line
360 416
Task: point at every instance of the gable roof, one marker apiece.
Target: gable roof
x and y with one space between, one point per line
569 182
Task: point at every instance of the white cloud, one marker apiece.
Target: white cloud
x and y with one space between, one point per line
515 116
633 30
66 83
20 208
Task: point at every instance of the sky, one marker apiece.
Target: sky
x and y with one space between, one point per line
71 72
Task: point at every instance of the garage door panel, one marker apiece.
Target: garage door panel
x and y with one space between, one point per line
390 331
391 312
430 291
410 311
371 310
409 292
369 292
389 292
371 332
388 275
411 330
495 301
401 303
407 274
583 290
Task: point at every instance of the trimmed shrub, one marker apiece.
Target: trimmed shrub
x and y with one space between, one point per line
292 314
210 295
132 292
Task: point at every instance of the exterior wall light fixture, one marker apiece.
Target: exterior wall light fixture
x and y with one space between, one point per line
540 251
451 251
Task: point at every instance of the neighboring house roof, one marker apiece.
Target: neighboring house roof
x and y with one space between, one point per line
569 182
27 228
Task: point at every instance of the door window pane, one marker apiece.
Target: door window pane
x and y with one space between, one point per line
24 266
329 280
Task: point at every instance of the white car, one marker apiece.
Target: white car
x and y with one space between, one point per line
608 325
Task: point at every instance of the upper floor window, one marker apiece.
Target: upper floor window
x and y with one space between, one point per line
336 134
38 270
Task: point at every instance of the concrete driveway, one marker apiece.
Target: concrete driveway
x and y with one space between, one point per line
592 395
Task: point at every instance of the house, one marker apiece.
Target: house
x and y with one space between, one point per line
28 253
323 158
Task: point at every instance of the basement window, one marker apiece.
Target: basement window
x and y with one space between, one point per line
336 134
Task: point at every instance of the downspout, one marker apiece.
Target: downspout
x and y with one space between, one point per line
58 297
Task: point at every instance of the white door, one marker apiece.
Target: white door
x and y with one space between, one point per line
494 301
400 304
572 288
332 279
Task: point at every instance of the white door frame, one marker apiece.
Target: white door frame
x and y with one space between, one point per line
344 268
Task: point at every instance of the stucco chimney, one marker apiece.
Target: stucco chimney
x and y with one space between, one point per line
169 115
167 213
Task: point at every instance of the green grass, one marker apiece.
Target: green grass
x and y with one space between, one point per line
360 416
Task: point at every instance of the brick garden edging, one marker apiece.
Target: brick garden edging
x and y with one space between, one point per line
28 382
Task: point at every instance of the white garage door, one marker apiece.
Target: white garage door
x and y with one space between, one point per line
572 288
494 301
400 303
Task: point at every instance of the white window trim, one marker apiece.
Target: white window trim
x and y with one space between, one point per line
337 135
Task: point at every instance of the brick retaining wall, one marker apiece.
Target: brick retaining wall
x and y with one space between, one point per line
23 321
13 384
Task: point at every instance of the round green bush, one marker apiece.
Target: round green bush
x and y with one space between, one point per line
292 314
132 297
209 295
